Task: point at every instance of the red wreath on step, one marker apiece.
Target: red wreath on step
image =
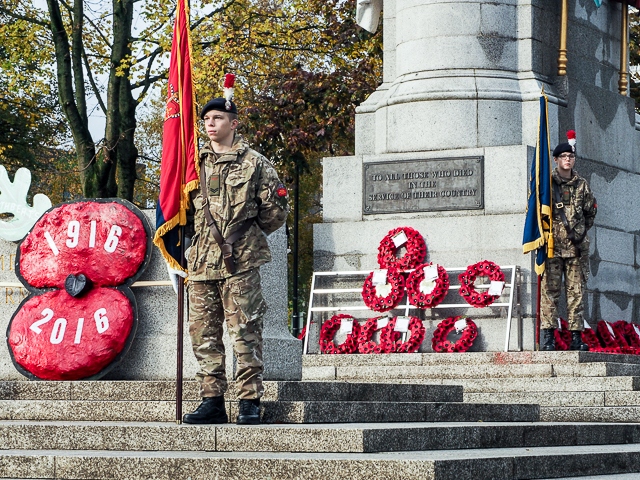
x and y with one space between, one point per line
365 344
382 304
441 344
390 339
622 329
427 300
562 336
609 341
629 332
468 278
414 256
591 339
329 330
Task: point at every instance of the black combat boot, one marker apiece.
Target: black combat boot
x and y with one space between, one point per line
211 410
577 343
249 412
548 340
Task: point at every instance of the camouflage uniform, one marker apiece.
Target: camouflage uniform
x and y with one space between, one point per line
241 185
569 259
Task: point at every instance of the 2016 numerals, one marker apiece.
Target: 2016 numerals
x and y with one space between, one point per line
60 325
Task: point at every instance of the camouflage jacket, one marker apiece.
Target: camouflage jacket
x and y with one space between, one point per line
580 209
241 185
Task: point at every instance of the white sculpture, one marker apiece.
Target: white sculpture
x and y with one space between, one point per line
13 200
368 14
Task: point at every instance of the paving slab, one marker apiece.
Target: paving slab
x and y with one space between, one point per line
475 464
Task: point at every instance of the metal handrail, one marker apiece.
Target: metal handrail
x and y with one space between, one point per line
513 286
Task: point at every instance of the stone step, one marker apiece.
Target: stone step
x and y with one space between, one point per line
104 390
376 373
465 464
467 358
590 414
339 438
272 412
554 384
559 399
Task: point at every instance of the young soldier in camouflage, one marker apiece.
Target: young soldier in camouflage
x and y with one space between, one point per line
240 201
574 211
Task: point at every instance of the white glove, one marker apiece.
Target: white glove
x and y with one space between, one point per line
173 275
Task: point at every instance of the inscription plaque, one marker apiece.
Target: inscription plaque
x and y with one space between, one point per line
423 185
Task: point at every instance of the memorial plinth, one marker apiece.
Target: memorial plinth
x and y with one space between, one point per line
462 80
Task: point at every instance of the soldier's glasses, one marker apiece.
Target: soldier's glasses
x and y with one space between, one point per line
567 155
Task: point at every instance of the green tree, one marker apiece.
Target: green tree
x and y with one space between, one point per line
303 67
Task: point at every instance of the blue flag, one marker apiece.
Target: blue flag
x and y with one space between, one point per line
598 3
538 233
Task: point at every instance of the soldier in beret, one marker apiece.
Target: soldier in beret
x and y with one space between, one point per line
574 211
241 200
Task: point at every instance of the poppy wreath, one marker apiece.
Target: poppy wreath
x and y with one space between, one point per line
610 342
440 343
562 336
365 344
416 327
630 333
329 330
468 278
414 256
427 300
382 304
622 335
78 263
591 339
389 337
303 333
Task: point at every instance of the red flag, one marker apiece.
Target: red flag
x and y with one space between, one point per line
178 171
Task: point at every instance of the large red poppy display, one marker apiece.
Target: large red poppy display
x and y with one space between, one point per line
78 262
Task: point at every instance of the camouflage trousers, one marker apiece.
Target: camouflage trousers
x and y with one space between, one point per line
239 301
555 269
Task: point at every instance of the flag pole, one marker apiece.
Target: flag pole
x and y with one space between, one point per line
180 334
538 314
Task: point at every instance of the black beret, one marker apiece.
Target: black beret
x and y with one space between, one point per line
563 148
218 104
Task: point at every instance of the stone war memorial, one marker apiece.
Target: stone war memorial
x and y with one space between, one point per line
446 142
441 172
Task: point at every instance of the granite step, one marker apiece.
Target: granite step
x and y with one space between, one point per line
467 358
559 399
338 438
466 464
105 390
272 412
626 413
532 370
